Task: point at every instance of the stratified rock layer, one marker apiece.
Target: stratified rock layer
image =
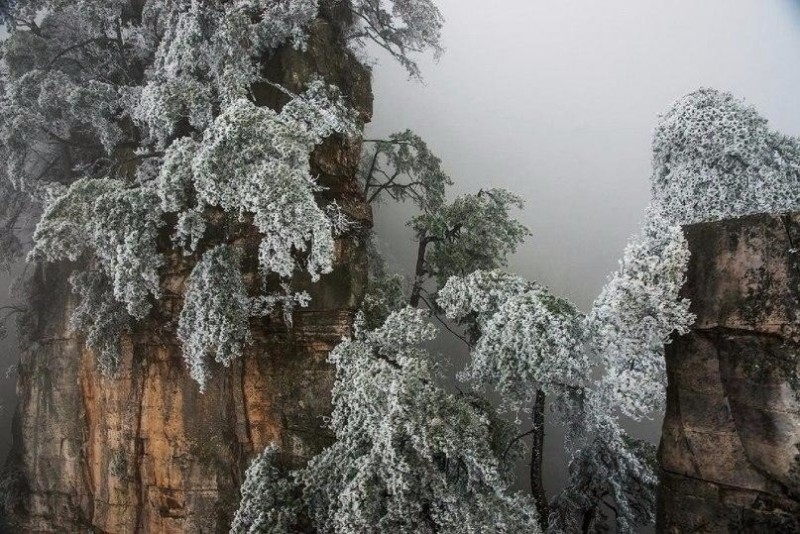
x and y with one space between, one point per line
730 449
144 451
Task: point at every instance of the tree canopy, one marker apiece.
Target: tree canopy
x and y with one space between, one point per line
122 119
118 116
715 157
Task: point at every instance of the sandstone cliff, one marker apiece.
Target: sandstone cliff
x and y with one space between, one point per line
144 451
730 449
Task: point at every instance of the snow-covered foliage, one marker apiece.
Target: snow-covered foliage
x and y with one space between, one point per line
384 295
475 231
386 291
269 502
714 158
401 27
254 161
529 339
205 55
215 319
116 225
608 472
636 313
216 312
409 457
403 167
593 368
102 317
118 116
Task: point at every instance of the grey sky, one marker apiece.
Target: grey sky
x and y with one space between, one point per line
557 100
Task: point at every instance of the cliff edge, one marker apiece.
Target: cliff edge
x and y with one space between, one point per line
730 447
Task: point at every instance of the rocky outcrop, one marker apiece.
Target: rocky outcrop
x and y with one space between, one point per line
730 448
144 451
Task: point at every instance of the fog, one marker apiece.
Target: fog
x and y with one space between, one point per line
556 100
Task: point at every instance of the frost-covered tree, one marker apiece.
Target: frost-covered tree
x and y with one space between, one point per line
612 478
271 499
402 167
117 225
400 27
529 344
386 292
408 457
120 117
474 231
103 318
216 312
636 313
714 158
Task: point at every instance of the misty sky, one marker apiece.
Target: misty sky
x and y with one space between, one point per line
557 100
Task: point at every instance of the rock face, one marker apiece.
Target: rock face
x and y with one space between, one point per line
144 451
730 448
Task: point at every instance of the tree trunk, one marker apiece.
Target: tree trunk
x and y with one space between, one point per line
537 455
729 448
419 272
144 451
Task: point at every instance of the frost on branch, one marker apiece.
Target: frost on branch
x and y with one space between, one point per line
269 502
215 319
636 313
612 476
527 339
254 162
409 457
103 318
475 231
283 20
189 230
117 225
216 312
403 167
207 53
385 294
716 158
401 27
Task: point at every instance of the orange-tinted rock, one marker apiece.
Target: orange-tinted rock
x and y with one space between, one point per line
144 451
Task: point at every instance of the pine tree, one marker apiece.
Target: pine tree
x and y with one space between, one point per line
119 116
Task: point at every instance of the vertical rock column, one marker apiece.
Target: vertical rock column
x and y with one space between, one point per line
730 448
144 451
